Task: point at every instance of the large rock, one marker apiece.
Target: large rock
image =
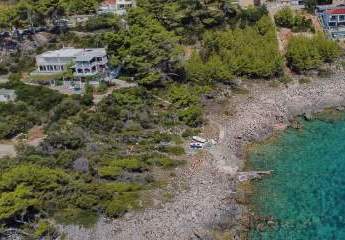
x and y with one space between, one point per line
81 165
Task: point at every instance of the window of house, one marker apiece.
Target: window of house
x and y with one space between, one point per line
41 68
333 18
342 18
79 70
87 70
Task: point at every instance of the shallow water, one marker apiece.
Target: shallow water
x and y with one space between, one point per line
306 193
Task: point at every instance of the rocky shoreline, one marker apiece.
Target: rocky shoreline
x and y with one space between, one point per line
208 203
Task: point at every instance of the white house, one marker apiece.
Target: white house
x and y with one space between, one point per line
115 6
83 61
7 95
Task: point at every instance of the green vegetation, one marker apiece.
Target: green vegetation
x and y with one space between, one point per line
40 11
288 18
188 18
111 22
31 108
60 178
252 52
306 53
146 50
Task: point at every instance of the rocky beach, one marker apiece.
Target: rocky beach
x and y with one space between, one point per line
208 203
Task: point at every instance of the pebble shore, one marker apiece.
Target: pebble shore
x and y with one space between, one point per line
208 201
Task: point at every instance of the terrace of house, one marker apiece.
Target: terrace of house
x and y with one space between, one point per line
91 65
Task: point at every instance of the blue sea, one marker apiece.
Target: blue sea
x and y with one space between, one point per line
305 196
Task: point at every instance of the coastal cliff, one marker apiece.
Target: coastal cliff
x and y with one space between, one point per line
207 205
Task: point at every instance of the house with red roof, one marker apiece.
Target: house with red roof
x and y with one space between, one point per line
115 6
334 18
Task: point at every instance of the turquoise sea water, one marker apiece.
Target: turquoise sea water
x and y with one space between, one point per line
306 193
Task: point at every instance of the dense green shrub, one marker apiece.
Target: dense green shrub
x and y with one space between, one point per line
161 161
39 97
191 116
252 51
111 172
209 72
158 49
252 14
44 228
174 150
189 132
130 164
3 69
72 139
41 10
103 22
286 17
189 18
306 53
17 118
121 204
16 203
181 96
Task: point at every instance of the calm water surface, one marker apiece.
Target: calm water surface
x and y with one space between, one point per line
306 193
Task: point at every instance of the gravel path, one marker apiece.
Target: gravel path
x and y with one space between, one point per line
208 202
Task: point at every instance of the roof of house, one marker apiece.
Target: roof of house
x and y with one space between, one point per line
109 2
63 52
336 11
81 54
90 53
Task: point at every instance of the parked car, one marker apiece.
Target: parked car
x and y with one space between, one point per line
195 145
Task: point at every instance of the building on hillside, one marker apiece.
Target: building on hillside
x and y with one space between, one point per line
115 6
83 62
7 95
332 18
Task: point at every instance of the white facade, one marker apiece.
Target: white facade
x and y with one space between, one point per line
7 95
115 6
84 62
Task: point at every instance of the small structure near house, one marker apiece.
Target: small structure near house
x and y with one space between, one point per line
83 62
7 95
199 139
199 142
115 6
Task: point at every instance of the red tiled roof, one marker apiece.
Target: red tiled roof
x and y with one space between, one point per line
336 11
109 2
